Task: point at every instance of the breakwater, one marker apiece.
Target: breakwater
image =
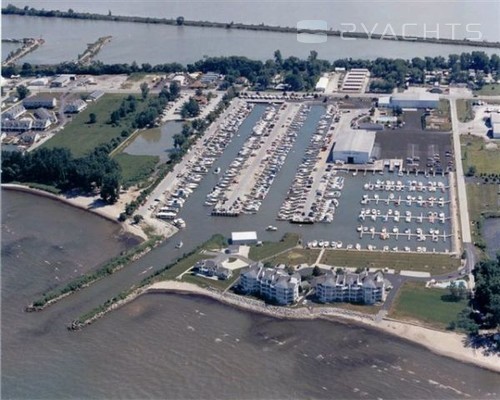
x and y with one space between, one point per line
180 21
29 45
92 50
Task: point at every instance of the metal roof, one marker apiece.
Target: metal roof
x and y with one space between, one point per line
359 140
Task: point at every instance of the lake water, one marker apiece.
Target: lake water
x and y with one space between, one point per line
155 142
7 48
170 346
157 44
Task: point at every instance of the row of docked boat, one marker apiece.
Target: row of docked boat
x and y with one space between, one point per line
420 235
396 216
325 244
431 201
410 185
258 162
313 195
191 176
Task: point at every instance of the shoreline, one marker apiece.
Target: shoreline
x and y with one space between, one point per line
447 344
126 228
243 26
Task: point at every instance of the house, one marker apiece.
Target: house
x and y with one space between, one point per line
39 101
18 125
30 137
180 79
212 268
75 106
197 85
209 78
96 95
14 112
42 113
62 80
365 288
270 283
244 237
41 124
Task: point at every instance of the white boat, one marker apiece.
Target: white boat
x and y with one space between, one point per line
179 245
217 170
271 228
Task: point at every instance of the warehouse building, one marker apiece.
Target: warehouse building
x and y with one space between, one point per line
62 80
14 112
495 125
322 84
410 100
353 146
244 237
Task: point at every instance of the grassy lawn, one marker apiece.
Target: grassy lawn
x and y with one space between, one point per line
416 302
297 256
475 153
482 198
432 263
81 137
492 89
464 110
135 169
269 249
212 283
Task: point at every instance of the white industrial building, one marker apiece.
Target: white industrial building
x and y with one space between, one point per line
39 82
495 125
353 146
244 237
322 84
410 100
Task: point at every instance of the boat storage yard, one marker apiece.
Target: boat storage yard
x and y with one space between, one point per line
357 203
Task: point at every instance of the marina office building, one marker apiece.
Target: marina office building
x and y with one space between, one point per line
366 288
270 283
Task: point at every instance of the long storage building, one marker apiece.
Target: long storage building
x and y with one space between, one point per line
353 146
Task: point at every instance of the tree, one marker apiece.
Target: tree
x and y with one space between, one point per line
294 81
144 90
278 58
22 92
175 90
317 271
180 20
190 108
92 118
110 189
179 140
138 218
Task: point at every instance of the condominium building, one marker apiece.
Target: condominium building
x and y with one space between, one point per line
270 283
367 288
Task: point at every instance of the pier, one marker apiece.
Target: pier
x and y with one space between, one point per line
29 45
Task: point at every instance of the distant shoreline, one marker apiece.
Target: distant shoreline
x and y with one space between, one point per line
11 10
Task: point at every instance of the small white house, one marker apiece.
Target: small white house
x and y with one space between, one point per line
244 238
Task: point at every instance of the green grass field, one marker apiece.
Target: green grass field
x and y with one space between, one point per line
80 137
297 256
475 153
482 198
492 89
432 263
135 169
464 110
415 302
269 249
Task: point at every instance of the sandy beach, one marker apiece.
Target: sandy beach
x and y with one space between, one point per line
111 212
448 344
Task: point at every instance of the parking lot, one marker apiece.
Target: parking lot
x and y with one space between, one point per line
420 150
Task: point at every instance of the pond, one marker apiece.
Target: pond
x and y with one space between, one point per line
155 142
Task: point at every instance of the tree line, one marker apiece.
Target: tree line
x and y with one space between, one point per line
57 167
298 74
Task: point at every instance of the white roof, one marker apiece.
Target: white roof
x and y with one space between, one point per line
495 118
359 140
424 96
384 100
322 83
244 235
496 127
